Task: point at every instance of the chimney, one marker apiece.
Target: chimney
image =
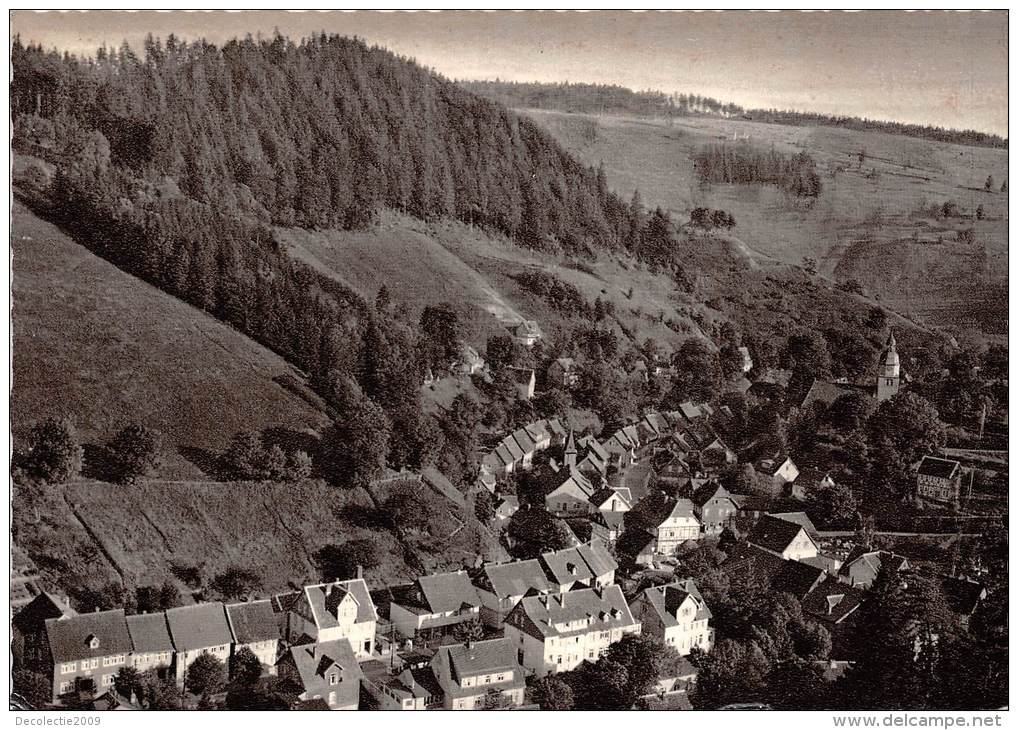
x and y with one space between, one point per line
360 572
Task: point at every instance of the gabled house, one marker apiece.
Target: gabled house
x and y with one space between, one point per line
786 539
938 479
611 499
501 586
714 507
407 685
621 447
506 505
151 642
195 630
326 670
558 632
572 496
675 613
435 603
329 611
963 596
468 362
808 481
254 626
562 373
84 653
595 457
526 332
671 521
778 467
479 675
862 565
600 562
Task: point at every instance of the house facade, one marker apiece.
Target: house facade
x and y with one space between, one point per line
556 633
84 653
150 638
714 507
677 614
329 611
787 539
938 479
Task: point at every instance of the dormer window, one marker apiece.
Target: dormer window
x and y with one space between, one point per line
333 679
92 641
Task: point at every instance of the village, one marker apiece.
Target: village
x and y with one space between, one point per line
610 554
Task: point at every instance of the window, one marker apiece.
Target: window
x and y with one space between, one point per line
65 687
107 680
69 667
333 679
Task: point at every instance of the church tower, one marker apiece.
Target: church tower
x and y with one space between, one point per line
570 460
889 372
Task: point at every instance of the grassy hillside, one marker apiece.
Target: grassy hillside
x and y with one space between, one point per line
102 347
425 263
871 222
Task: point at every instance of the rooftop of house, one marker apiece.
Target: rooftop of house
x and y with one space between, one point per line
475 658
515 578
963 594
932 466
87 635
707 491
774 533
32 617
666 599
566 566
318 594
789 576
448 591
252 621
872 560
149 633
810 477
798 518
597 557
572 613
199 626
526 327
832 601
313 661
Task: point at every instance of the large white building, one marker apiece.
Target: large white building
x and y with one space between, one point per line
557 632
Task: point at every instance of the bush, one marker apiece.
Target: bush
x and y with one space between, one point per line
135 452
54 454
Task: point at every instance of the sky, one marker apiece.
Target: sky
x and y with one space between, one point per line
946 69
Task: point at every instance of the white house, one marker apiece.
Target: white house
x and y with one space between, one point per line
330 611
784 538
435 603
677 614
196 630
558 632
255 627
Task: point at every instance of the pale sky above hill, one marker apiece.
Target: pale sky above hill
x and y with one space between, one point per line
947 69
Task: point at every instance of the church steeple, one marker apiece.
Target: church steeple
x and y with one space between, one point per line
889 372
570 453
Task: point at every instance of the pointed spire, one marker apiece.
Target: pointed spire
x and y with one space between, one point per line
570 443
570 453
891 344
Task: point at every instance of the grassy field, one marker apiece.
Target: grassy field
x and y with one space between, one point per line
104 348
868 224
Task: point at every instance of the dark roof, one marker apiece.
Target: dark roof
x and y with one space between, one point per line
198 626
832 601
773 533
252 621
708 491
32 618
665 600
480 657
799 518
149 633
448 591
788 576
70 638
963 595
931 466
